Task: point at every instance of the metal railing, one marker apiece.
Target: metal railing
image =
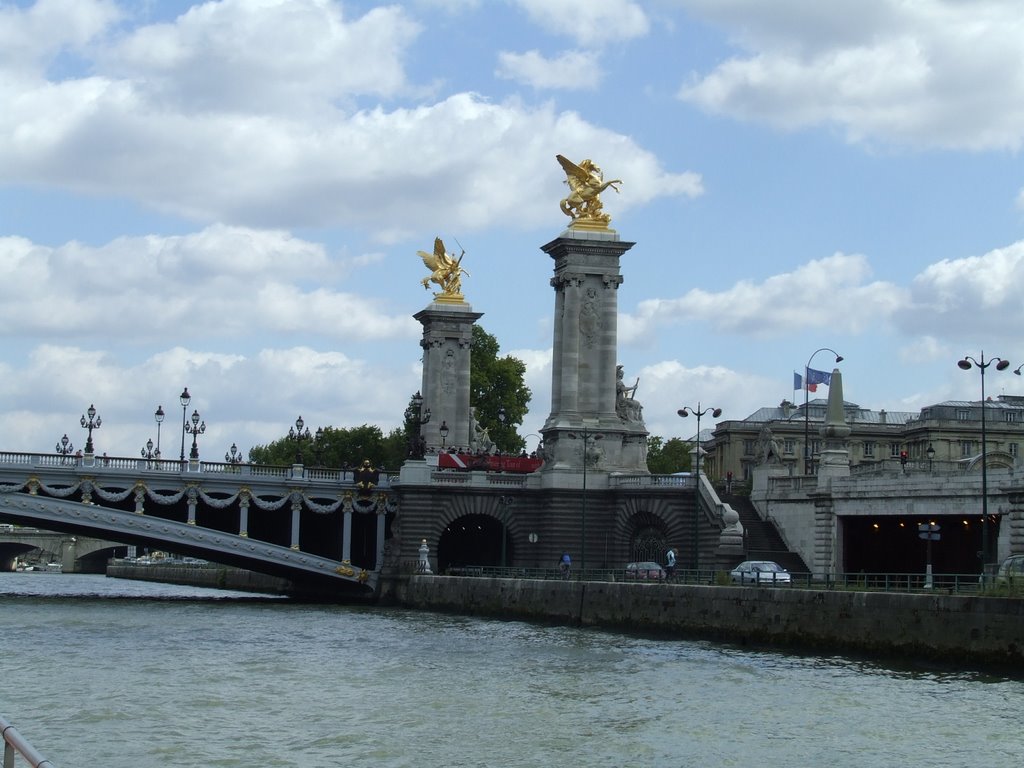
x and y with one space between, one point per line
949 583
16 744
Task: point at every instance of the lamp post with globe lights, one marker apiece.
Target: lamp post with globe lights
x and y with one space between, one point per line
184 398
93 422
297 434
195 429
158 417
1001 365
698 412
64 448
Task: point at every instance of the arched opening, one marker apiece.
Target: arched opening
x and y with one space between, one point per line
473 540
648 540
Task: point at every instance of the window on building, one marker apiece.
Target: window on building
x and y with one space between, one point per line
894 450
1010 415
748 447
1013 450
789 446
815 447
966 447
963 414
869 449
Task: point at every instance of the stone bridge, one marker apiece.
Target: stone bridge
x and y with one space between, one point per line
323 529
74 554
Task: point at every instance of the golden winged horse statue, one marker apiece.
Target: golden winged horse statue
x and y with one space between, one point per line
586 183
445 270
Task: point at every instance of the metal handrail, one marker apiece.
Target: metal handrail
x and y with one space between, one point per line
950 583
14 742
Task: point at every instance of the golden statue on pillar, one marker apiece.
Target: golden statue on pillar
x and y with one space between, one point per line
583 204
445 270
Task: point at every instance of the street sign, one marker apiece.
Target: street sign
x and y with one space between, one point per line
929 531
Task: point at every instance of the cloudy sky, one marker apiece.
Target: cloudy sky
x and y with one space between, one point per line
229 196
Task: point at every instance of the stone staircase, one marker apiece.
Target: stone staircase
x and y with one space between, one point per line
760 537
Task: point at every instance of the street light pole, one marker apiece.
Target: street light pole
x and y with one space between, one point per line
195 429
159 418
587 437
966 365
298 436
184 398
684 412
94 421
807 422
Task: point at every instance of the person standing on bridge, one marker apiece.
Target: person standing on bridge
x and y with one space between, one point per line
670 564
565 565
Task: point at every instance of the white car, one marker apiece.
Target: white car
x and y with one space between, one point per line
760 572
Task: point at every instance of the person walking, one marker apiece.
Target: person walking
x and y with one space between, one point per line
565 565
670 564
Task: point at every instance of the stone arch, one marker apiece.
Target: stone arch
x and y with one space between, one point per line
475 531
663 514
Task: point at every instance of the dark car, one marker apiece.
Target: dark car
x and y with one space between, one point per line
649 571
760 572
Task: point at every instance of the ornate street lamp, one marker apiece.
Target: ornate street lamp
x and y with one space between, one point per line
148 453
318 447
807 389
235 457
159 418
1001 365
185 398
931 455
698 412
295 433
443 429
64 447
195 429
415 418
92 423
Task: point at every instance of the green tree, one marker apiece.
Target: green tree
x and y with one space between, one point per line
497 383
337 447
665 457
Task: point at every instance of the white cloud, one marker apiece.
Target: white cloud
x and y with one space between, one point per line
222 282
835 290
243 399
970 296
572 70
589 22
929 73
262 56
387 172
30 37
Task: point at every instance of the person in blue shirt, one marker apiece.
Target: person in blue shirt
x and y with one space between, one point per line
565 564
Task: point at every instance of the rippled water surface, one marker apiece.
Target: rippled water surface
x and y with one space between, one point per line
175 676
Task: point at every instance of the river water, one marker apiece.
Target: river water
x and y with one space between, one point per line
121 674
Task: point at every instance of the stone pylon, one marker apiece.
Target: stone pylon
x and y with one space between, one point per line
589 415
447 336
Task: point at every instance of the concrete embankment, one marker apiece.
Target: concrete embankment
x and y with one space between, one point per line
210 575
933 627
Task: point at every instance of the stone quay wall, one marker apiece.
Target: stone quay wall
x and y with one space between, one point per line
211 575
956 629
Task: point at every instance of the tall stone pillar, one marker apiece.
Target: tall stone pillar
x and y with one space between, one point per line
447 336
584 356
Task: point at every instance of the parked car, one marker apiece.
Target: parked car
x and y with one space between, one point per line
759 572
1011 571
650 571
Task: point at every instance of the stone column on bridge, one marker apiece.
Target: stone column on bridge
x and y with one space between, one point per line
346 530
447 335
243 513
296 510
585 387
